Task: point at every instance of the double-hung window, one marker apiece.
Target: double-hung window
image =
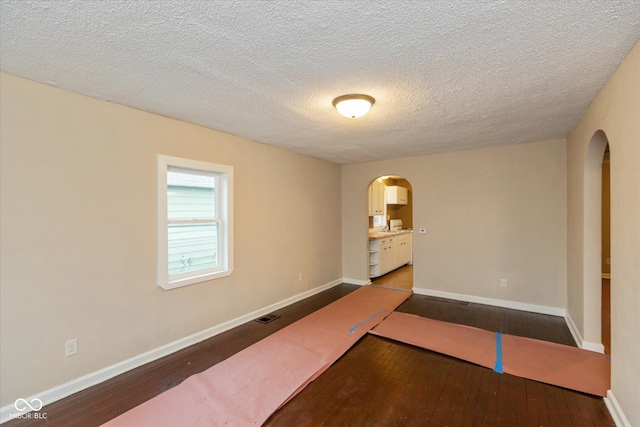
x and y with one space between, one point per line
195 234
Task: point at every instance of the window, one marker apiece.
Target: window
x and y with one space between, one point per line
195 233
378 220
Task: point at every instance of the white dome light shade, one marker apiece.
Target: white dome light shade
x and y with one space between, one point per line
353 106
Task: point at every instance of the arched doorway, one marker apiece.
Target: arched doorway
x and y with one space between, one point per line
593 242
606 251
390 220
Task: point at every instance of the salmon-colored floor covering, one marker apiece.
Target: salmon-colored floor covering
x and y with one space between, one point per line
245 389
543 361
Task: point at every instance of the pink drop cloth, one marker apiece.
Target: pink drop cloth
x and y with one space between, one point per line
246 388
543 361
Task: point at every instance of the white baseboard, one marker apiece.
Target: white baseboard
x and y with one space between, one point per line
577 336
575 332
86 381
534 308
592 346
616 411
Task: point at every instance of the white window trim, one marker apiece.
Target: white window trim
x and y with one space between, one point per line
224 198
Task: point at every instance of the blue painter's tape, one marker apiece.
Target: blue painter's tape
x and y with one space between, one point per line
365 321
498 366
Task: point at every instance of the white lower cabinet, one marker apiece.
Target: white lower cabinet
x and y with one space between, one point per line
404 250
387 258
389 253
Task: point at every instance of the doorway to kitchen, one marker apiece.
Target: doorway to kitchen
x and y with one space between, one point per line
390 220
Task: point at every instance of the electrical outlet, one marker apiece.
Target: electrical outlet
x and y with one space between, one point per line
503 283
71 347
423 231
299 277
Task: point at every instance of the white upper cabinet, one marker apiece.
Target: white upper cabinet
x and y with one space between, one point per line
397 195
376 198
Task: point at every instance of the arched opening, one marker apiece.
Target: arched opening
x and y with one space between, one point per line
390 219
606 251
593 244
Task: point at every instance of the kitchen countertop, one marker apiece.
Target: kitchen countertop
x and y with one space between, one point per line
384 234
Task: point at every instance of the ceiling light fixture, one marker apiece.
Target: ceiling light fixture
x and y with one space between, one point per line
354 105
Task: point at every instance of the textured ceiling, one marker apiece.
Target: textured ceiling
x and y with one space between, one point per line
446 75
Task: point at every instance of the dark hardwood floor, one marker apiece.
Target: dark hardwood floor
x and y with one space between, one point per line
385 383
378 382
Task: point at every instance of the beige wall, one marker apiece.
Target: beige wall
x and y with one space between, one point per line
490 214
616 112
78 247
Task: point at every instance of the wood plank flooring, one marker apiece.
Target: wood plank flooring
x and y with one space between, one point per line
402 278
377 382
